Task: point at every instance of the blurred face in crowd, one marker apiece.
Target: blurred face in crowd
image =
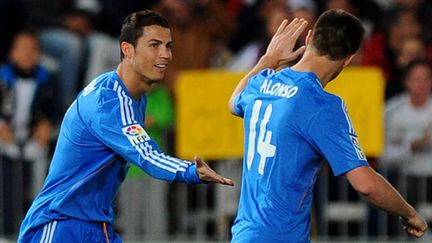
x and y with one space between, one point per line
182 9
419 81
409 25
274 19
152 53
25 52
406 27
411 49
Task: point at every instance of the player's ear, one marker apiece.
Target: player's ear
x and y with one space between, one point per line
127 49
308 37
347 61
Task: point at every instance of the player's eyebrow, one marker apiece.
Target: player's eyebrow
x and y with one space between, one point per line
155 40
159 41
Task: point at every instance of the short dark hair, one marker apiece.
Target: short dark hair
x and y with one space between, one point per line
337 34
133 26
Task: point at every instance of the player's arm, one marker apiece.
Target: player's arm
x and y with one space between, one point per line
115 125
279 53
381 194
152 160
146 155
340 146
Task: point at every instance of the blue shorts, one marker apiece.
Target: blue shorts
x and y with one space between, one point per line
71 231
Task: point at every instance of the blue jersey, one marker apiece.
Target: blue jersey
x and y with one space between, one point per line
102 132
291 125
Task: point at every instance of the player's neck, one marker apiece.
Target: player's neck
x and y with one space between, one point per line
324 69
132 81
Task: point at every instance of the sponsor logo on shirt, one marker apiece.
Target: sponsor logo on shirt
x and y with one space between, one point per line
360 154
136 134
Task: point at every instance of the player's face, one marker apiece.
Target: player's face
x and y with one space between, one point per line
152 53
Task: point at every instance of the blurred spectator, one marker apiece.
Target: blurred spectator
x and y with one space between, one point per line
412 48
382 47
28 112
423 12
60 26
409 123
250 54
74 33
199 29
408 149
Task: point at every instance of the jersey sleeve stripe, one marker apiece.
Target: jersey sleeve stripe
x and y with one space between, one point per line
152 153
345 111
131 109
122 112
115 85
127 108
44 233
53 227
140 151
184 162
168 158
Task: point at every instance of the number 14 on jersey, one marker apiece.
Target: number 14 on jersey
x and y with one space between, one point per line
263 146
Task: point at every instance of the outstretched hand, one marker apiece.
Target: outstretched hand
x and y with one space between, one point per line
205 173
280 50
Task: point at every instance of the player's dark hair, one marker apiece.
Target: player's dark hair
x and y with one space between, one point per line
337 34
133 26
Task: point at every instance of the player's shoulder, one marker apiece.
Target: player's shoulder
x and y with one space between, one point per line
102 92
328 102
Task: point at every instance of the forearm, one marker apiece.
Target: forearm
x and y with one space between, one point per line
387 198
378 191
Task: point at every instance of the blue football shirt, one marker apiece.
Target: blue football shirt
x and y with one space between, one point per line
291 125
101 133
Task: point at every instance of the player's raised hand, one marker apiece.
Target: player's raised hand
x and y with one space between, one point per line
280 50
205 173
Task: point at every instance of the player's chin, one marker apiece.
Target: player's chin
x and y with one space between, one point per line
157 80
158 76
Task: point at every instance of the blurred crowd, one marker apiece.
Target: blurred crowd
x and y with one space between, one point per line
50 49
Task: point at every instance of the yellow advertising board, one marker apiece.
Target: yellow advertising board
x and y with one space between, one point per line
205 127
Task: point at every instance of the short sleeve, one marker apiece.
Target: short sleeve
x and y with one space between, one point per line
331 131
248 92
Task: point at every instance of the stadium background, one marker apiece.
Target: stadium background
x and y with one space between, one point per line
216 41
